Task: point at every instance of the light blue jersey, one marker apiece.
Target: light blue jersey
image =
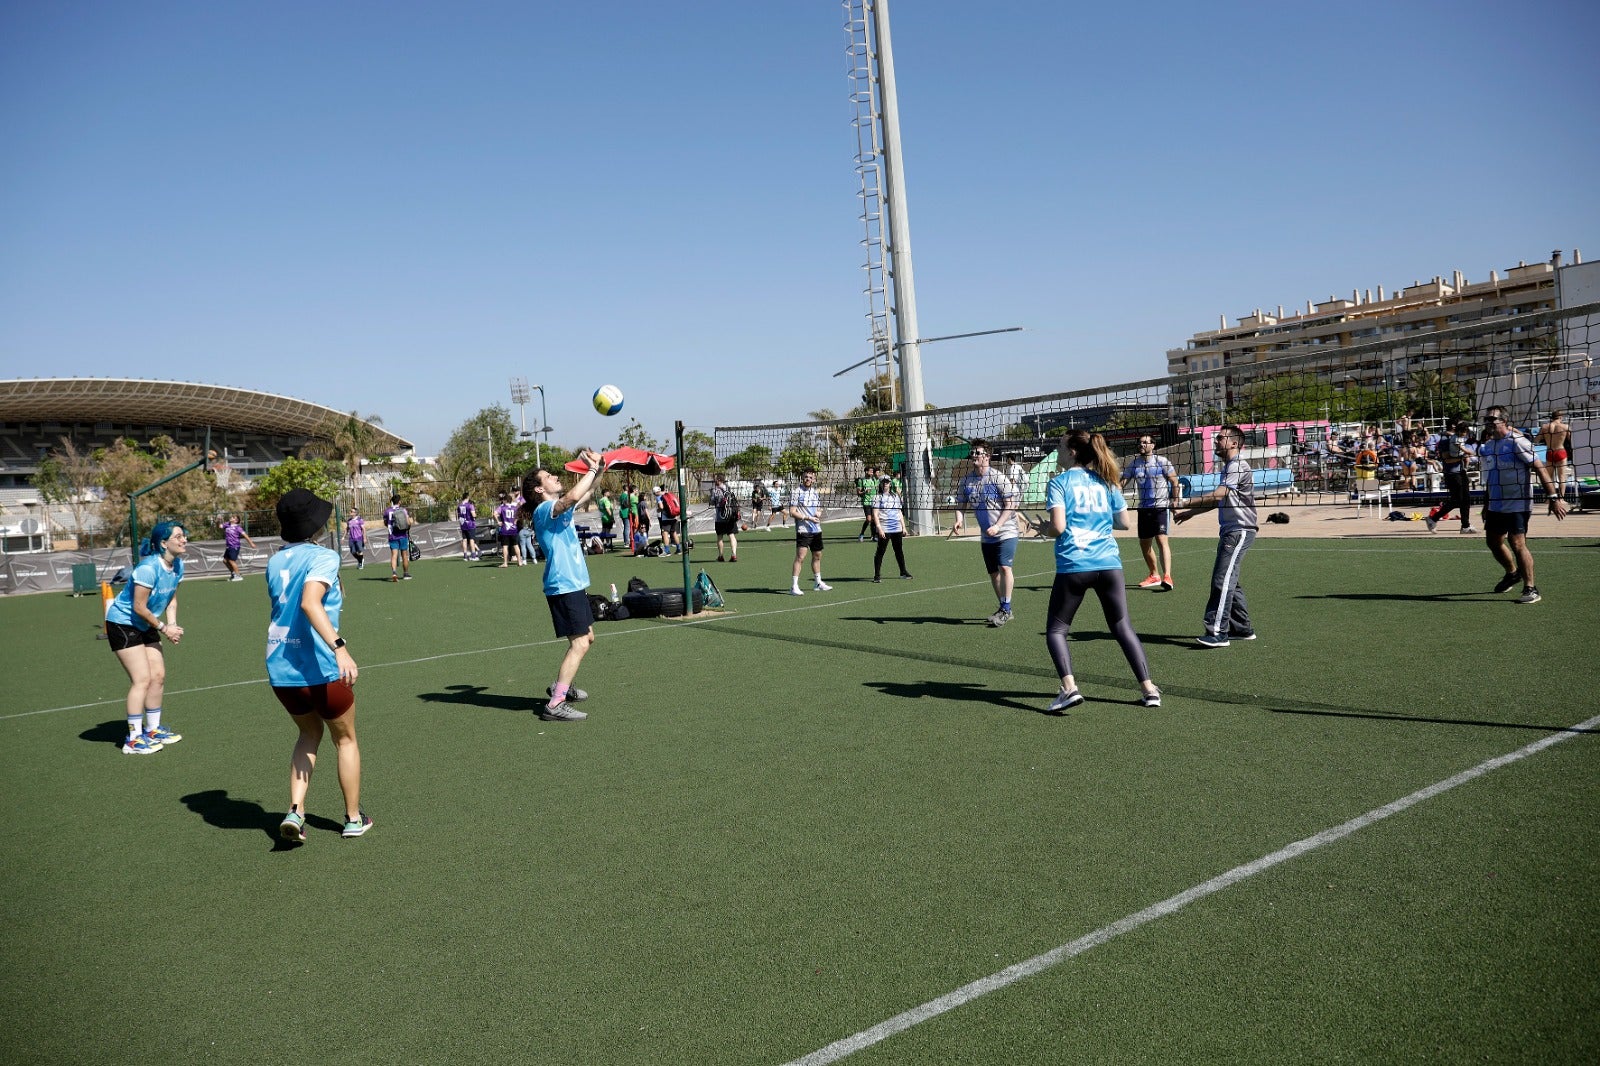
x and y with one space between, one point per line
888 506
565 569
150 573
1086 543
809 503
296 655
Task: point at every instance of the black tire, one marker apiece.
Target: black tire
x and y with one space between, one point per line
645 603
672 602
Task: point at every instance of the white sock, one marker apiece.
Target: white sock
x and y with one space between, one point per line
152 719
135 725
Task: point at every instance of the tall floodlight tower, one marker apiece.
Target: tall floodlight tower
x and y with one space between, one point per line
867 22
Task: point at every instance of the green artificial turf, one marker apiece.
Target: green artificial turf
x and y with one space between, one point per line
787 823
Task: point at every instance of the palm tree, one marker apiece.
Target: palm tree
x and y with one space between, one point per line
348 440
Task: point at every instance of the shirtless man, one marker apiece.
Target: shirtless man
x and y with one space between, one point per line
1556 436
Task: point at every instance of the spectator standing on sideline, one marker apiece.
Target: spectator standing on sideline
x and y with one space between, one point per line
1454 453
232 534
1227 610
1506 461
467 516
356 531
667 511
866 489
760 500
1556 436
641 515
524 530
308 666
889 527
398 519
505 524
805 505
994 502
1085 502
1157 483
780 508
608 516
1018 477
134 628
725 509
566 577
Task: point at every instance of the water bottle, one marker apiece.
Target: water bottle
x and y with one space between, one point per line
614 592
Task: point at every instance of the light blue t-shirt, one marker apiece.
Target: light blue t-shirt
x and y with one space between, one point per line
888 506
152 574
565 569
296 655
1086 543
810 503
989 495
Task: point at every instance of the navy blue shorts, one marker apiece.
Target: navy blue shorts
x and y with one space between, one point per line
1506 522
571 613
1153 522
999 554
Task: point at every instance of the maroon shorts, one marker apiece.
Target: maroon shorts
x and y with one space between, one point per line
330 699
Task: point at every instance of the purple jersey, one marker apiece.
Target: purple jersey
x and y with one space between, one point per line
467 512
232 533
506 515
358 530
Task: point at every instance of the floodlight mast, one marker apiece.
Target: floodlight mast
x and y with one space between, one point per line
919 457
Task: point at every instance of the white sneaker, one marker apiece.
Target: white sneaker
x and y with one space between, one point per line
795 591
823 587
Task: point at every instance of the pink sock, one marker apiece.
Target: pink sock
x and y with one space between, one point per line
559 692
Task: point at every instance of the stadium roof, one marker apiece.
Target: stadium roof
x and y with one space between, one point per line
173 403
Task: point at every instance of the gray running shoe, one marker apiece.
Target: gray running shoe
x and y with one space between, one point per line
1065 699
1529 595
574 695
999 618
1211 640
561 712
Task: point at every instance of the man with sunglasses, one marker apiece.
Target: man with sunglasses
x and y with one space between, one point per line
1157 483
1506 463
994 501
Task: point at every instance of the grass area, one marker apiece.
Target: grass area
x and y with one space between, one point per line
791 822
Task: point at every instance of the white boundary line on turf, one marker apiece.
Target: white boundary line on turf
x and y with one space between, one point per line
1012 974
531 644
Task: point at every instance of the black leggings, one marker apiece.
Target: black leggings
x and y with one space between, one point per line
1066 596
883 545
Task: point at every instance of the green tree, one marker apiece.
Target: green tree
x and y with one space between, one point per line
876 442
699 454
633 435
1293 397
880 394
67 476
799 455
126 467
753 462
349 440
474 458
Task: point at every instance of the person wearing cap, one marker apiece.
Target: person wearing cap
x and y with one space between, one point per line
134 628
666 507
308 665
399 539
888 527
566 577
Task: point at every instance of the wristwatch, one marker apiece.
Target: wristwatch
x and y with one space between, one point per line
338 642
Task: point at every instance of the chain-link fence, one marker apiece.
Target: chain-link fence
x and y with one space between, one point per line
1305 416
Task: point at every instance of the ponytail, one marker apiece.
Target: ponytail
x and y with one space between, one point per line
1090 451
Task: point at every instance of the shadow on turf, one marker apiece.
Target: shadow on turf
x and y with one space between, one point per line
106 733
917 621
1431 597
480 696
222 811
972 693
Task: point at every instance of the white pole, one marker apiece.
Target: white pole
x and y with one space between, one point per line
919 457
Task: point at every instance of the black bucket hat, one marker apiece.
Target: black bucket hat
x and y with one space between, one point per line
302 514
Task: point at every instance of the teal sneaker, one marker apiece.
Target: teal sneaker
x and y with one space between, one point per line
355 828
162 735
293 828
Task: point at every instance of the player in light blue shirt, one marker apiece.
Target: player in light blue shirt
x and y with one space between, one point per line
889 524
1085 504
134 628
566 576
805 505
994 500
308 666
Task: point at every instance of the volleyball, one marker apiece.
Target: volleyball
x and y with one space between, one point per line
608 399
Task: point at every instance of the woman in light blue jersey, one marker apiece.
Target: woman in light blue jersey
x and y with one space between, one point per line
1085 505
134 629
308 666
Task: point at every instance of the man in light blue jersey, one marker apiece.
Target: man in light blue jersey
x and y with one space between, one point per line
1506 464
993 499
1227 610
566 576
1157 484
308 666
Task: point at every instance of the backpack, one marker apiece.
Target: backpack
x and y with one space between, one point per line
728 507
400 520
707 589
669 501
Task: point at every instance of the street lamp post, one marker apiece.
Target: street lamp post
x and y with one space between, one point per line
544 427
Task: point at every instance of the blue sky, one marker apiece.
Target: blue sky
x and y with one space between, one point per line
397 207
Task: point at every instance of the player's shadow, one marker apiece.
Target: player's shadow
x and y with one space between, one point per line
964 691
922 621
106 733
1419 597
480 696
222 811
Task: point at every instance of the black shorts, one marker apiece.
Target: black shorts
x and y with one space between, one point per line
812 541
231 554
1153 522
726 526
327 701
571 613
1505 522
508 540
124 637
669 525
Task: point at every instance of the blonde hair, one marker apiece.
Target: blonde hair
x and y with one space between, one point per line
1090 451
